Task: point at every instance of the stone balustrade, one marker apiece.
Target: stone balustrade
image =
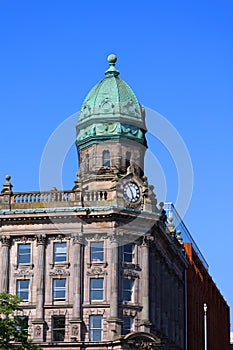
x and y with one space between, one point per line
52 198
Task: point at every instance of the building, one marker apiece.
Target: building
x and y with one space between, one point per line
97 265
201 290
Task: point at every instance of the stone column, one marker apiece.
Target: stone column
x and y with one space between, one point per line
145 261
77 282
114 321
4 279
38 322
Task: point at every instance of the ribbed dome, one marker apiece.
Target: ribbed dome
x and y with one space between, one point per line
111 100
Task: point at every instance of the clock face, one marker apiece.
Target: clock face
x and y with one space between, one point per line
131 192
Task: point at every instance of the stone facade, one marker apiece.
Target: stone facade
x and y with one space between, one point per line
97 266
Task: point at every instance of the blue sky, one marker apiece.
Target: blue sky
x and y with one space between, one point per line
176 55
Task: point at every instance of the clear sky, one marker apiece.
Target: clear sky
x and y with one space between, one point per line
178 58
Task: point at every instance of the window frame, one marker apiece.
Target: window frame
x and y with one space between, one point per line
96 289
92 329
23 290
56 255
20 254
57 289
58 328
101 251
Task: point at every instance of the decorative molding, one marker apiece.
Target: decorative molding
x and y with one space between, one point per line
130 274
59 272
96 271
142 344
23 273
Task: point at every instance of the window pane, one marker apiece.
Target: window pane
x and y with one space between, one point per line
97 251
59 252
96 283
24 253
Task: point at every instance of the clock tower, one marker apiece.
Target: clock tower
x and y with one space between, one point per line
123 219
111 142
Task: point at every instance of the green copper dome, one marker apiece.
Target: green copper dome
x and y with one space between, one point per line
110 108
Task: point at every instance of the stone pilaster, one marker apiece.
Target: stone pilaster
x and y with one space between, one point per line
38 322
4 279
145 261
158 292
77 276
114 321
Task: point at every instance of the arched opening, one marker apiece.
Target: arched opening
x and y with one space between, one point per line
127 161
106 159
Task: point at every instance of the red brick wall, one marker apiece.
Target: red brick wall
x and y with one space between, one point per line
202 289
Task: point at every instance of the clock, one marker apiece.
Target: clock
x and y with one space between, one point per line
131 192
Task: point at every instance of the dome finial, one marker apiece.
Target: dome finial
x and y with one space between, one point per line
112 72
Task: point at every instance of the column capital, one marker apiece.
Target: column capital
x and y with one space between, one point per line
114 237
78 238
41 239
147 240
6 241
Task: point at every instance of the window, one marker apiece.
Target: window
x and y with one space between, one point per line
59 289
59 252
106 158
22 323
24 253
127 289
127 161
96 289
96 328
97 251
22 289
58 328
129 253
127 324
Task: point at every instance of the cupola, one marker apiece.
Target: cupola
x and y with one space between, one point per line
110 110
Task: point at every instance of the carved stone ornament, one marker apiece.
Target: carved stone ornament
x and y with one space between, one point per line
96 271
23 273
41 238
37 331
59 272
6 240
127 273
142 341
78 238
75 330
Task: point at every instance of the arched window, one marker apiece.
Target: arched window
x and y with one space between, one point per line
106 158
127 161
